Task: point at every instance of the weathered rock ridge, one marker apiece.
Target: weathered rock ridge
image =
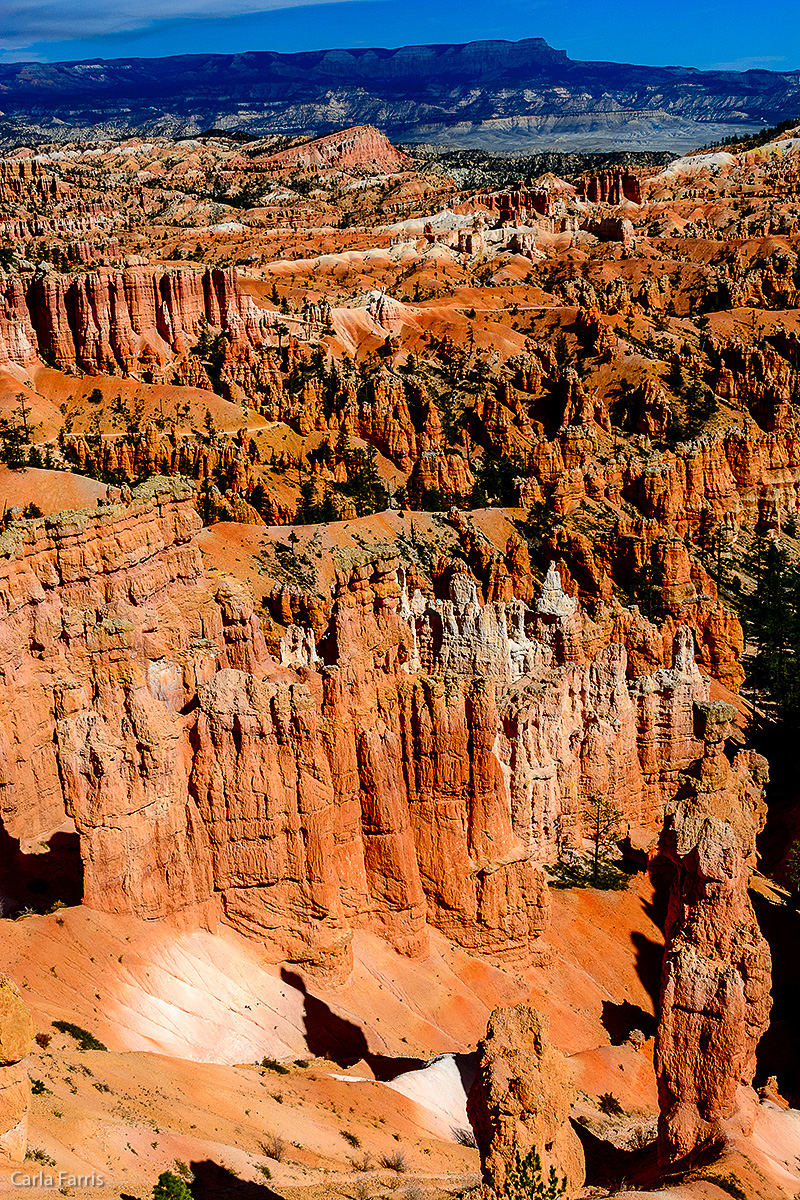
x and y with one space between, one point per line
361 148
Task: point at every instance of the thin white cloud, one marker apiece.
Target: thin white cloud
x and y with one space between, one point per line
752 63
26 22
21 55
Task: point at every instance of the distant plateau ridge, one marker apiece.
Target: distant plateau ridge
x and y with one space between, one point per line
494 95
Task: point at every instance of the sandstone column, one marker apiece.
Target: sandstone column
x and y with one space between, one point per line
521 1099
715 980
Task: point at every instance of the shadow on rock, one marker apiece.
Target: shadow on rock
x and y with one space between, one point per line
37 881
661 872
778 1051
343 1042
467 1068
649 957
606 1165
620 1020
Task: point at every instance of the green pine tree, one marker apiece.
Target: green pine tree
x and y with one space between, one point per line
171 1187
525 1180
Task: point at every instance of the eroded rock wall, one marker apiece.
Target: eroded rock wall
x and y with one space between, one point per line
420 768
83 598
114 322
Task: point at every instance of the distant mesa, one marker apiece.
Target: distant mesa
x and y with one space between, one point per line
494 95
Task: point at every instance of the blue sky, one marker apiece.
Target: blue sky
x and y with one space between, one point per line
699 33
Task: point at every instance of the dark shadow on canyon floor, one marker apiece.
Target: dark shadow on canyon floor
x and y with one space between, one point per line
606 1165
330 1036
214 1182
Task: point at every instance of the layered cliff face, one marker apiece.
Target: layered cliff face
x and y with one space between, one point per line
612 187
23 178
730 475
715 985
117 322
85 592
420 769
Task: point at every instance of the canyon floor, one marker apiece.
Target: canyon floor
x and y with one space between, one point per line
381 647
188 1016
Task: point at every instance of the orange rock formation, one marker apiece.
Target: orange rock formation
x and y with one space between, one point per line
715 987
16 1040
521 1099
